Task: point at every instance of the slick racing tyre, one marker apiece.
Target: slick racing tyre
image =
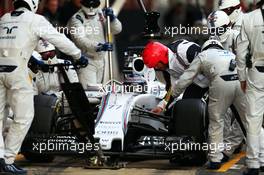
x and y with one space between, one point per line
42 128
190 120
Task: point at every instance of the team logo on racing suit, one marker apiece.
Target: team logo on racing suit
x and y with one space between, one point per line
212 18
34 4
45 43
9 30
220 3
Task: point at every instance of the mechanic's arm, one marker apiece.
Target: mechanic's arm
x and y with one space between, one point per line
32 77
187 77
162 104
116 26
79 35
43 29
242 51
236 35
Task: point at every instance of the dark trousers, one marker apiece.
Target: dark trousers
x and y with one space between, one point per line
194 91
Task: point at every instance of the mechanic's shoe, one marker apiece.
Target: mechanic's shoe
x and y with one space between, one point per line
225 158
2 167
251 171
214 165
14 169
10 169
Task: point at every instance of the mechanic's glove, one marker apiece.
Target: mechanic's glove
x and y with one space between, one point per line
171 105
83 61
157 110
109 12
35 61
67 64
104 47
34 64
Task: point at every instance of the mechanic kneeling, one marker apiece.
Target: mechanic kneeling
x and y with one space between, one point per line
47 79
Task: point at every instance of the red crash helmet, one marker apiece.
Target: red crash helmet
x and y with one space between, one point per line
48 55
154 53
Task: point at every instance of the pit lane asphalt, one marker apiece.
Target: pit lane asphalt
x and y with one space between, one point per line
74 166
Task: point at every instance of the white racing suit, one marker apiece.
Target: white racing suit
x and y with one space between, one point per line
238 24
250 45
20 32
49 82
230 41
233 134
91 30
224 90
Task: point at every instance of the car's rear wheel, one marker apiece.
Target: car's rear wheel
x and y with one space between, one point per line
41 128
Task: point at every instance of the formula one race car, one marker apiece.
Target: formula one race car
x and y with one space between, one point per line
125 126
121 124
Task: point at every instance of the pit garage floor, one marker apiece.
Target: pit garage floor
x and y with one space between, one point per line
74 166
